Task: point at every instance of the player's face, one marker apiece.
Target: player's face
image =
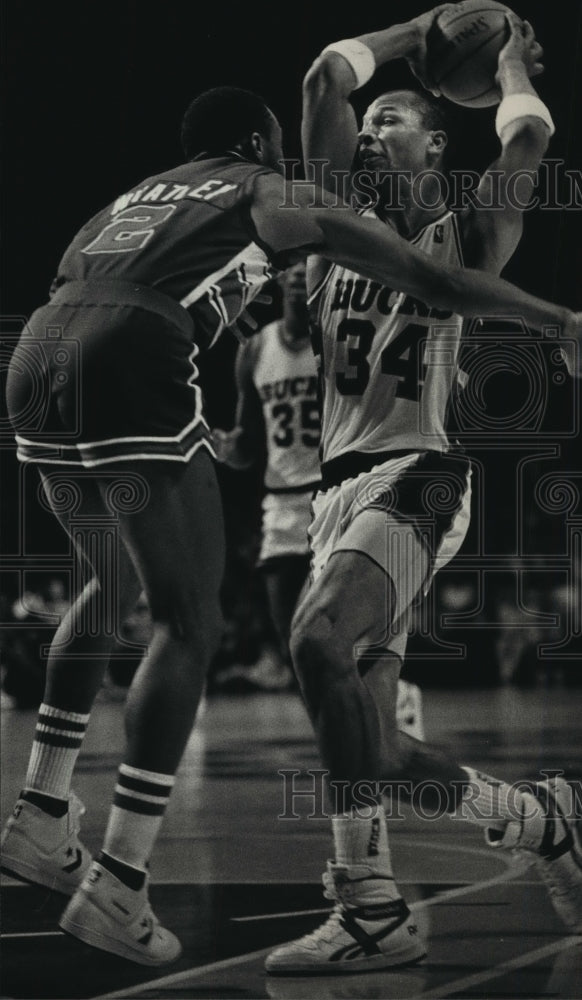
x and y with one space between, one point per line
294 283
393 136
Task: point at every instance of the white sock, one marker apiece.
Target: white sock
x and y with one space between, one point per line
364 841
491 803
136 815
57 741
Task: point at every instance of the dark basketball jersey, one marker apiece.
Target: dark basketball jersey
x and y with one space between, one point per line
187 233
143 286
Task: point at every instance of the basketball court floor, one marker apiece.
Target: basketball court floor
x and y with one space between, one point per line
232 878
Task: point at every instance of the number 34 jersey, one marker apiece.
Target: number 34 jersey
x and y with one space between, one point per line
388 362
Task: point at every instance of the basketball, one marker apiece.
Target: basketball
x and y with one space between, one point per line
462 51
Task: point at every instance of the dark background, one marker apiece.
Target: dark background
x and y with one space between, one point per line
94 95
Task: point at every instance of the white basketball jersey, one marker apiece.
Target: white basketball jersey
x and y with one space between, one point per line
286 381
388 362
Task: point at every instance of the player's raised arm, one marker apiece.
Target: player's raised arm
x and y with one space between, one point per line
329 126
238 447
524 126
295 217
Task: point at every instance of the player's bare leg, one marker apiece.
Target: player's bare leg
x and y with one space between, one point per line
372 667
350 606
82 645
284 582
348 610
177 544
345 612
41 841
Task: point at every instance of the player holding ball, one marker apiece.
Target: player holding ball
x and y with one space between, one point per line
389 367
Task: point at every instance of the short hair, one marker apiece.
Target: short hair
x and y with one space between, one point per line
221 118
432 112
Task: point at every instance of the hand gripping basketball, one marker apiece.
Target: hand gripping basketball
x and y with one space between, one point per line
417 58
463 49
521 46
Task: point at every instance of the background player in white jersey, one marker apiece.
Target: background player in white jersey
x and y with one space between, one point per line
276 377
277 408
389 365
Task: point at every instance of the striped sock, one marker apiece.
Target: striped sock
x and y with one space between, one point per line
55 749
136 815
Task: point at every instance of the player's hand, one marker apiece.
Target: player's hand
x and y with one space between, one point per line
416 59
227 448
522 46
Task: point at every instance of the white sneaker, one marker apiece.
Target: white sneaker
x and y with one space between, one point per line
409 709
45 849
365 930
107 914
558 858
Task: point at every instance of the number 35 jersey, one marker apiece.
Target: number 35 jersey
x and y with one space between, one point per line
388 362
286 382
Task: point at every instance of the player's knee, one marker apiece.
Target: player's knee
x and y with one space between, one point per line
183 621
316 647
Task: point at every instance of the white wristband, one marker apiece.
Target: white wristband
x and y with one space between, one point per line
358 56
516 106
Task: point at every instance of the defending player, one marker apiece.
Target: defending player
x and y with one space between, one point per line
389 368
146 284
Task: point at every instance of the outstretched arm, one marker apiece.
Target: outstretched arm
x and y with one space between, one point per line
491 234
329 127
295 217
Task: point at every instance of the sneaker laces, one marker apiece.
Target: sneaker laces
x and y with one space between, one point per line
330 887
329 929
346 891
326 931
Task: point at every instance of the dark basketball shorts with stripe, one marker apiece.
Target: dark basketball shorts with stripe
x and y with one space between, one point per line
105 373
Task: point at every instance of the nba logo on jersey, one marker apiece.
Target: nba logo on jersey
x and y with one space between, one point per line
439 234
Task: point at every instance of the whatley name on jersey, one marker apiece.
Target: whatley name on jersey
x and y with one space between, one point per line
360 295
288 388
173 192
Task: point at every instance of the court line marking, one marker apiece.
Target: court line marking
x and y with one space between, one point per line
280 916
519 962
461 890
5 884
31 934
10 881
189 975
